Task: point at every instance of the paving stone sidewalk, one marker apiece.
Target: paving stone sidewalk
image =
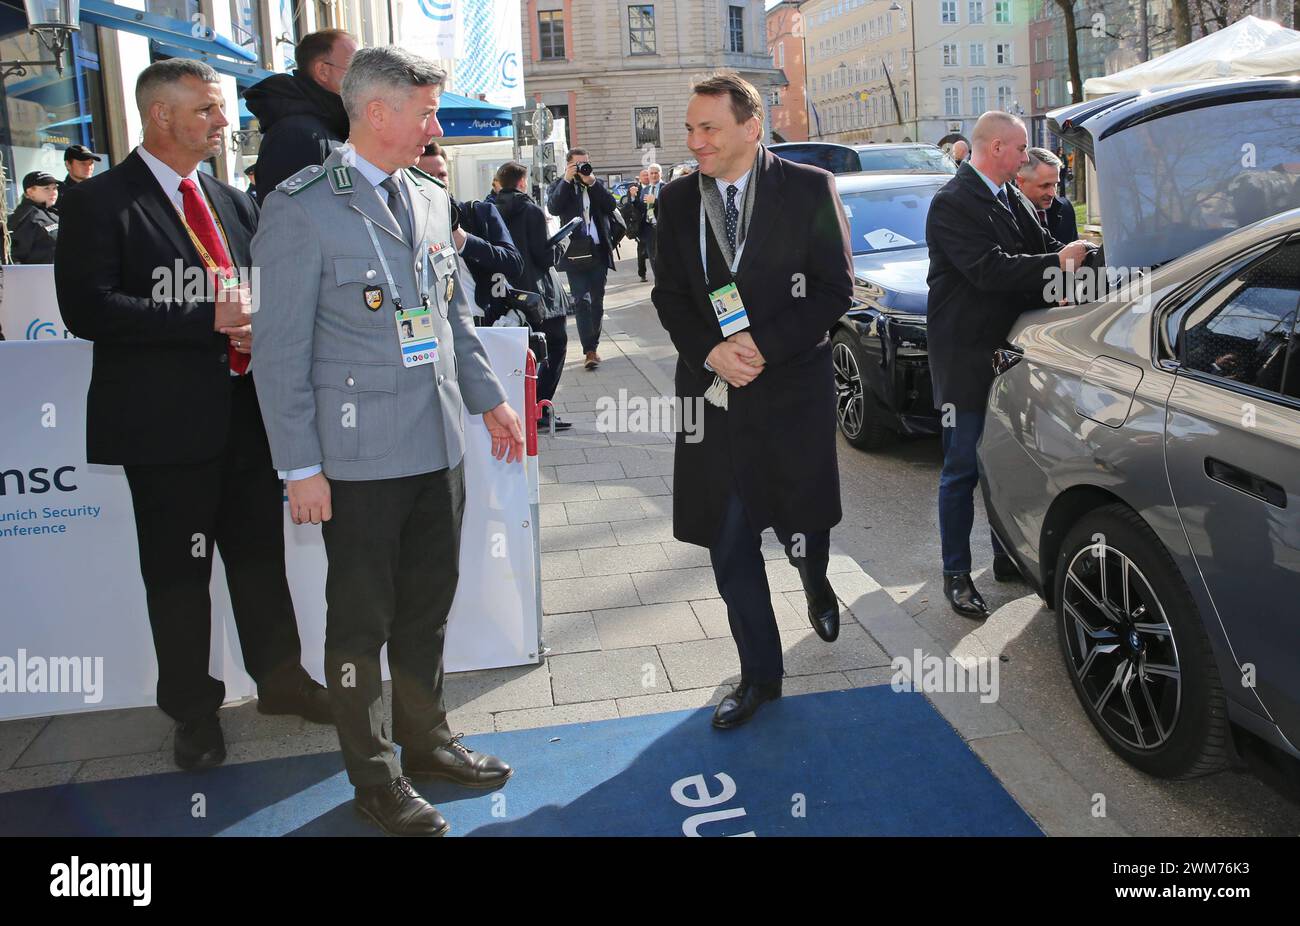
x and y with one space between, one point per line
633 623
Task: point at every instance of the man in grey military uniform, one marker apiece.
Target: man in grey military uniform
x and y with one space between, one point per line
366 362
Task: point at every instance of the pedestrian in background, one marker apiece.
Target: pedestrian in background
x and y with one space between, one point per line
301 115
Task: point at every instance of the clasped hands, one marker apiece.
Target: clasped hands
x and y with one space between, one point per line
737 359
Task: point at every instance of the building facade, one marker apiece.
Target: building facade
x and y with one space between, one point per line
620 73
788 105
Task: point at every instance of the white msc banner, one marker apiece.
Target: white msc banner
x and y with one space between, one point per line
73 615
483 39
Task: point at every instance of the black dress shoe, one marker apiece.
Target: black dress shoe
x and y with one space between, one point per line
453 761
824 611
737 707
303 696
199 744
544 424
962 596
1004 568
398 810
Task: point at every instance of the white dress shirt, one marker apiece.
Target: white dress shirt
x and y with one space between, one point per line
170 181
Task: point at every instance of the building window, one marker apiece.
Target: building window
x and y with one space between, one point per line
641 29
1002 12
1006 98
950 56
907 103
736 28
645 120
951 101
1038 50
979 100
550 34
780 55
1002 53
975 9
775 98
948 11
977 54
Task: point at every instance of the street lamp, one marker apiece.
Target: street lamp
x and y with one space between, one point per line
897 7
53 21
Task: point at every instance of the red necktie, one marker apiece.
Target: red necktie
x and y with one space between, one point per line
1042 218
200 222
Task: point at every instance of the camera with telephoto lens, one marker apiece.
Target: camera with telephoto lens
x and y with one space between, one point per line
585 168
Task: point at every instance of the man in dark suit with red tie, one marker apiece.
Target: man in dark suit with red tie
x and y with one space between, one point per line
147 268
755 230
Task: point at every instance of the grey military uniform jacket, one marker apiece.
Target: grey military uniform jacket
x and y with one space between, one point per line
328 369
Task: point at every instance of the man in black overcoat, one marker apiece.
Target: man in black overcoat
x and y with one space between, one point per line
768 458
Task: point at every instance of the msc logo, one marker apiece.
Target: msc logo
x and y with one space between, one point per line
37 480
39 330
439 10
509 65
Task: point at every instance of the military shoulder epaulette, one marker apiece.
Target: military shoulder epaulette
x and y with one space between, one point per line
301 180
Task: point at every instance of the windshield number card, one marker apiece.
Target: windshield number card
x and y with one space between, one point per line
415 336
729 309
881 238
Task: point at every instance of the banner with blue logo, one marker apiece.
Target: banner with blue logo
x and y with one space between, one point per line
480 40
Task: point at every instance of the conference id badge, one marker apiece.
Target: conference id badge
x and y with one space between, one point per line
730 309
415 336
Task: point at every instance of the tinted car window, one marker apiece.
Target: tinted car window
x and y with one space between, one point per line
1174 183
887 220
836 159
1245 331
918 158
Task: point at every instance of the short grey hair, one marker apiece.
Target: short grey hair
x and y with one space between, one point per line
385 71
164 73
1036 157
655 167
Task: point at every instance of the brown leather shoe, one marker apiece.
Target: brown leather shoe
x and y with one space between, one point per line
454 761
593 360
398 810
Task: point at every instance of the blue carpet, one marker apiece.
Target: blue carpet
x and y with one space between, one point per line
866 761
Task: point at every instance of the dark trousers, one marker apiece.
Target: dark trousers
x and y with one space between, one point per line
646 244
587 287
183 514
957 483
741 574
557 344
394 560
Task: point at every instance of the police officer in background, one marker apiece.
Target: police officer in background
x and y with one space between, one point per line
367 363
34 226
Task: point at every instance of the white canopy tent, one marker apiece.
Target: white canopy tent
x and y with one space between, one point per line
1249 47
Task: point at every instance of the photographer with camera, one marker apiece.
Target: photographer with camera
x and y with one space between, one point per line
589 256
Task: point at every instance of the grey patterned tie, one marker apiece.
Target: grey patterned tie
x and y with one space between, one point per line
732 217
397 207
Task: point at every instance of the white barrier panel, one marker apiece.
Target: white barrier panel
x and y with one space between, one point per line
72 605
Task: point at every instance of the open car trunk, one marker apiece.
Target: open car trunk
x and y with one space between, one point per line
1178 167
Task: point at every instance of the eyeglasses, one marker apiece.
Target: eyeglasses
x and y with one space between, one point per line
333 65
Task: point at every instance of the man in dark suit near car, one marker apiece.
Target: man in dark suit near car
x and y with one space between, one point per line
990 260
1038 180
171 400
774 229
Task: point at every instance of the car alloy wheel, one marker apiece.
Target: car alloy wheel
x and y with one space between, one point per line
1121 646
848 390
1136 648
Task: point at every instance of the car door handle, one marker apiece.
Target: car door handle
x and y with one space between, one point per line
1237 478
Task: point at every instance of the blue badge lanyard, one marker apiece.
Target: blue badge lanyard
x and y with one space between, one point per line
388 274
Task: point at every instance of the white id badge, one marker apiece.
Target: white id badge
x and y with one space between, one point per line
415 336
730 309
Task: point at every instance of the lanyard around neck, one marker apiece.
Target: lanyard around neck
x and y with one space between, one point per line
388 274
704 253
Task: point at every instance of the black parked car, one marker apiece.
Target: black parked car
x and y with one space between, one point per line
882 369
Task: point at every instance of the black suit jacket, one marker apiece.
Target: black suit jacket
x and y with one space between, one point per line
160 384
775 443
564 201
987 265
1061 223
489 249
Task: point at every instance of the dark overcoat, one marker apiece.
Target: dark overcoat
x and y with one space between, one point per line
987 265
775 444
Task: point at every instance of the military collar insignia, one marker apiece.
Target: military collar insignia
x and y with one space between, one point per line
340 178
